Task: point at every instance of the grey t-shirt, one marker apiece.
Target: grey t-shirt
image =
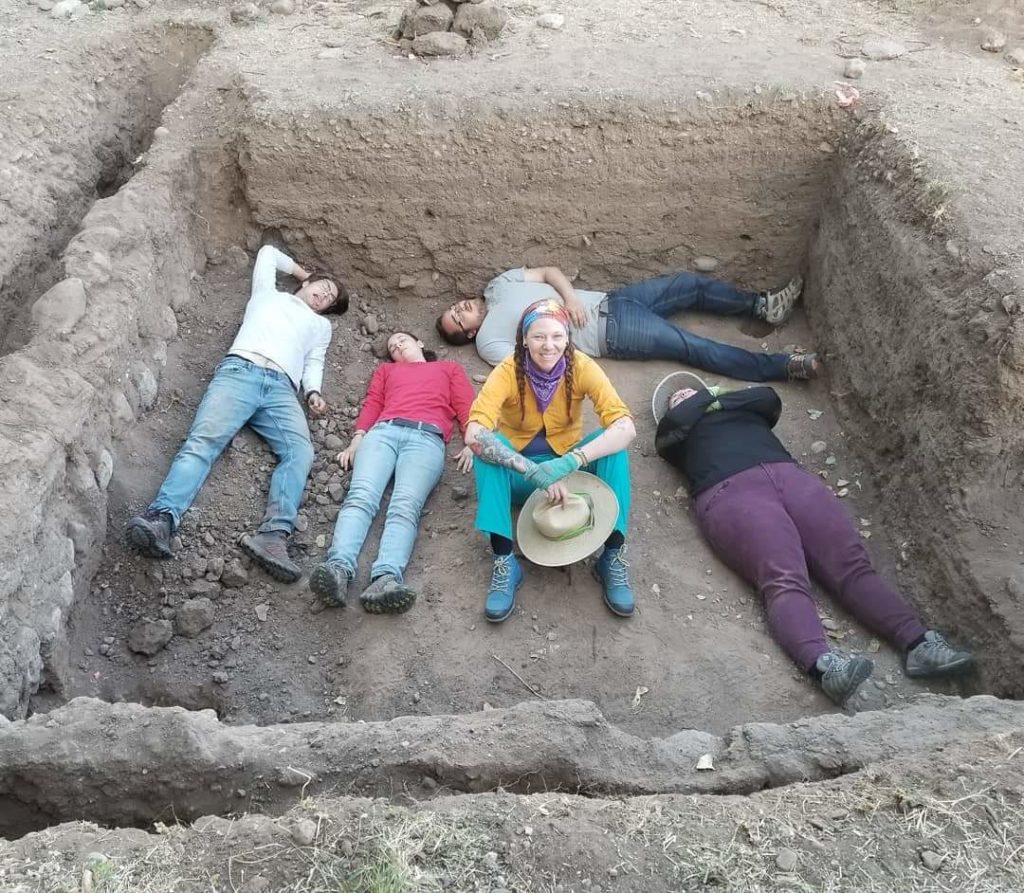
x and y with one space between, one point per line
508 295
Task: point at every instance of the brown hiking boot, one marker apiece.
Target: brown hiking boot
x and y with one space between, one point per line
803 367
270 552
386 595
150 533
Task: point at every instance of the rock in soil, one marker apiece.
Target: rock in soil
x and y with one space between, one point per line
854 69
194 616
440 43
993 40
553 21
234 575
483 17
881 48
427 20
149 636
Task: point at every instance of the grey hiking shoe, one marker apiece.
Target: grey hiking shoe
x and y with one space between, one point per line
841 676
936 657
270 551
150 533
803 367
386 595
329 581
776 306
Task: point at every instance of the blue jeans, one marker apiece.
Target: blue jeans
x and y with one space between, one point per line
499 488
637 327
240 393
416 460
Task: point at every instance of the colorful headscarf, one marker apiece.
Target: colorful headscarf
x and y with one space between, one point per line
539 309
544 384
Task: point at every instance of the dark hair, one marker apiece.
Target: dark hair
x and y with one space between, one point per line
519 357
429 355
340 304
458 338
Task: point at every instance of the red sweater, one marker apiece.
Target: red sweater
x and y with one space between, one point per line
437 392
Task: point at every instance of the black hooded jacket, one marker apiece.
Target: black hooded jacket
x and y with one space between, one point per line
708 447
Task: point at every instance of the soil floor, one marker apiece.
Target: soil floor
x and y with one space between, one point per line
696 655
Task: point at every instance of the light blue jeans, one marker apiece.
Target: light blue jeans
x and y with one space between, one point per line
243 393
416 460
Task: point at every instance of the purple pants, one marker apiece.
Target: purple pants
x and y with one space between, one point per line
773 522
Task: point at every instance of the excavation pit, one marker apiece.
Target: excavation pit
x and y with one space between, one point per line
413 212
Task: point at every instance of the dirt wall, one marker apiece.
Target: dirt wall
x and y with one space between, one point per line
97 342
432 201
925 345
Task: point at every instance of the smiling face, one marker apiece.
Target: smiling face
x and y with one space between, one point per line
546 340
403 348
679 396
318 294
464 317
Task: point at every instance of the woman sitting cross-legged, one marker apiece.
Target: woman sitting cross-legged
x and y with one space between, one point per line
525 429
408 415
771 521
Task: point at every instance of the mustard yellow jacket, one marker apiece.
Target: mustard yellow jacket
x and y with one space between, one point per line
497 405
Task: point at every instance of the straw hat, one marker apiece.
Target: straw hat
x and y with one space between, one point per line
552 535
674 381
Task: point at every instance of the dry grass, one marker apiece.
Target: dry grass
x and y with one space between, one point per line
392 851
863 834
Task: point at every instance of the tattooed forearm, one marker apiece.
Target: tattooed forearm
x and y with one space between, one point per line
490 449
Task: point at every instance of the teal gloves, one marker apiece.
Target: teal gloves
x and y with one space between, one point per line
551 472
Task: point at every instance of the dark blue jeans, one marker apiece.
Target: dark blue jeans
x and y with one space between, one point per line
637 328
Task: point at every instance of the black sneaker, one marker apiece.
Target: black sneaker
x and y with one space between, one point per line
386 595
150 533
329 581
841 676
803 367
270 551
936 657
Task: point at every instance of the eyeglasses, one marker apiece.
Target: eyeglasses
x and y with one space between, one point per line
456 313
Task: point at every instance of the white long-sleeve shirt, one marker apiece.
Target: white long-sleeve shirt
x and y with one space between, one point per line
281 326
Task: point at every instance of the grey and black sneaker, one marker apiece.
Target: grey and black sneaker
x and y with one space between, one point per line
150 533
841 676
270 551
329 582
803 367
936 657
776 306
386 595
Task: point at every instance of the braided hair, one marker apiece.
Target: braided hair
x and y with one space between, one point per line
519 359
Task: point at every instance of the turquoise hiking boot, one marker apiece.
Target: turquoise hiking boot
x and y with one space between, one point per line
611 570
841 676
505 580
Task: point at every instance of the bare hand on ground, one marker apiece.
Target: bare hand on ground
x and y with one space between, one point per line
317 405
347 456
464 460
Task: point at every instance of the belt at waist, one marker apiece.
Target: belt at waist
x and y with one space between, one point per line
420 426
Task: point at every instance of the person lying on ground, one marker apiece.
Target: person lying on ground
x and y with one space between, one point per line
631 323
277 354
771 521
406 420
525 430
